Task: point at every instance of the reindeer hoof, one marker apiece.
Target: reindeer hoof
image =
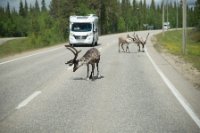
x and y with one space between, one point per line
98 76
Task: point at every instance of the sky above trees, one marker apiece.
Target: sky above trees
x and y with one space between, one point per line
15 3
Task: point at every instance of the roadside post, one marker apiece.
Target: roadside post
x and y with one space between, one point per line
184 35
163 17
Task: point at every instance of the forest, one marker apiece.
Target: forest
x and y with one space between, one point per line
49 25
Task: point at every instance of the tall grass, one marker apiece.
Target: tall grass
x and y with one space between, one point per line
172 42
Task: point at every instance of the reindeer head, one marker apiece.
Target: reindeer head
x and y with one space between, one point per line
141 40
73 61
131 37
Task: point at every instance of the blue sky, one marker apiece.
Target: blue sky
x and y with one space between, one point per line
15 3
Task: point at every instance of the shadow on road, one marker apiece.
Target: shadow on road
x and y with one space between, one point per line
86 45
95 78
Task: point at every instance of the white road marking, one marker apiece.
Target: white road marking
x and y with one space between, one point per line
27 100
30 55
176 93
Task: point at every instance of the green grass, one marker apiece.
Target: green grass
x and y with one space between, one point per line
17 46
14 46
172 42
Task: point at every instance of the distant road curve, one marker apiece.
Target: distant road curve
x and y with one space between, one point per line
3 40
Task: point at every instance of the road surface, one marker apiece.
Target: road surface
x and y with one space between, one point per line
39 93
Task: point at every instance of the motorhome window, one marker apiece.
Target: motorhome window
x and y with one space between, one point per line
81 27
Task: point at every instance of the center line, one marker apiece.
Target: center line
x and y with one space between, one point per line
27 100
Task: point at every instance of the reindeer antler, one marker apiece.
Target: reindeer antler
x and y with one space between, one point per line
142 40
131 37
146 38
138 39
134 36
73 50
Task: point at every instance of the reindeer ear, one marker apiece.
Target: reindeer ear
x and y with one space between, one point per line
70 62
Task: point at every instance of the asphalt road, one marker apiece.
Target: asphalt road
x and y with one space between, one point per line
39 93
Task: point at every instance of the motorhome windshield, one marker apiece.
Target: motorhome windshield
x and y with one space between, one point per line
81 27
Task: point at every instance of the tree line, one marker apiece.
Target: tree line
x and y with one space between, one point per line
50 24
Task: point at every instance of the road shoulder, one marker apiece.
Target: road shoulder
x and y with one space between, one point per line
178 75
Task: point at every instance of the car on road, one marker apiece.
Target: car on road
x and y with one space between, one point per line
83 30
166 25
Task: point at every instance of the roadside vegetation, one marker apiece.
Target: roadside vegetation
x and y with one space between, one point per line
17 46
44 26
172 43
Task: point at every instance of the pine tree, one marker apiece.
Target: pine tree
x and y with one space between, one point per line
21 9
44 9
144 12
103 19
37 8
197 13
152 13
8 9
26 8
135 15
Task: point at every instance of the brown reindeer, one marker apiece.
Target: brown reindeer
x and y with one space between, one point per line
92 57
139 41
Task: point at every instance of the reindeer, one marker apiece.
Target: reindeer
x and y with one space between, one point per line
139 41
142 41
91 57
124 40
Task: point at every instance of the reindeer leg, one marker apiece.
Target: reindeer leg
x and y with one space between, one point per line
119 48
92 72
98 75
93 65
139 47
127 48
143 47
122 47
87 78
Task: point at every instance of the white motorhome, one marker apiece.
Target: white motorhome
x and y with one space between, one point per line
166 25
83 30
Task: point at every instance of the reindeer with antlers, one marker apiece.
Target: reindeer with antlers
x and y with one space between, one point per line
139 40
91 57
